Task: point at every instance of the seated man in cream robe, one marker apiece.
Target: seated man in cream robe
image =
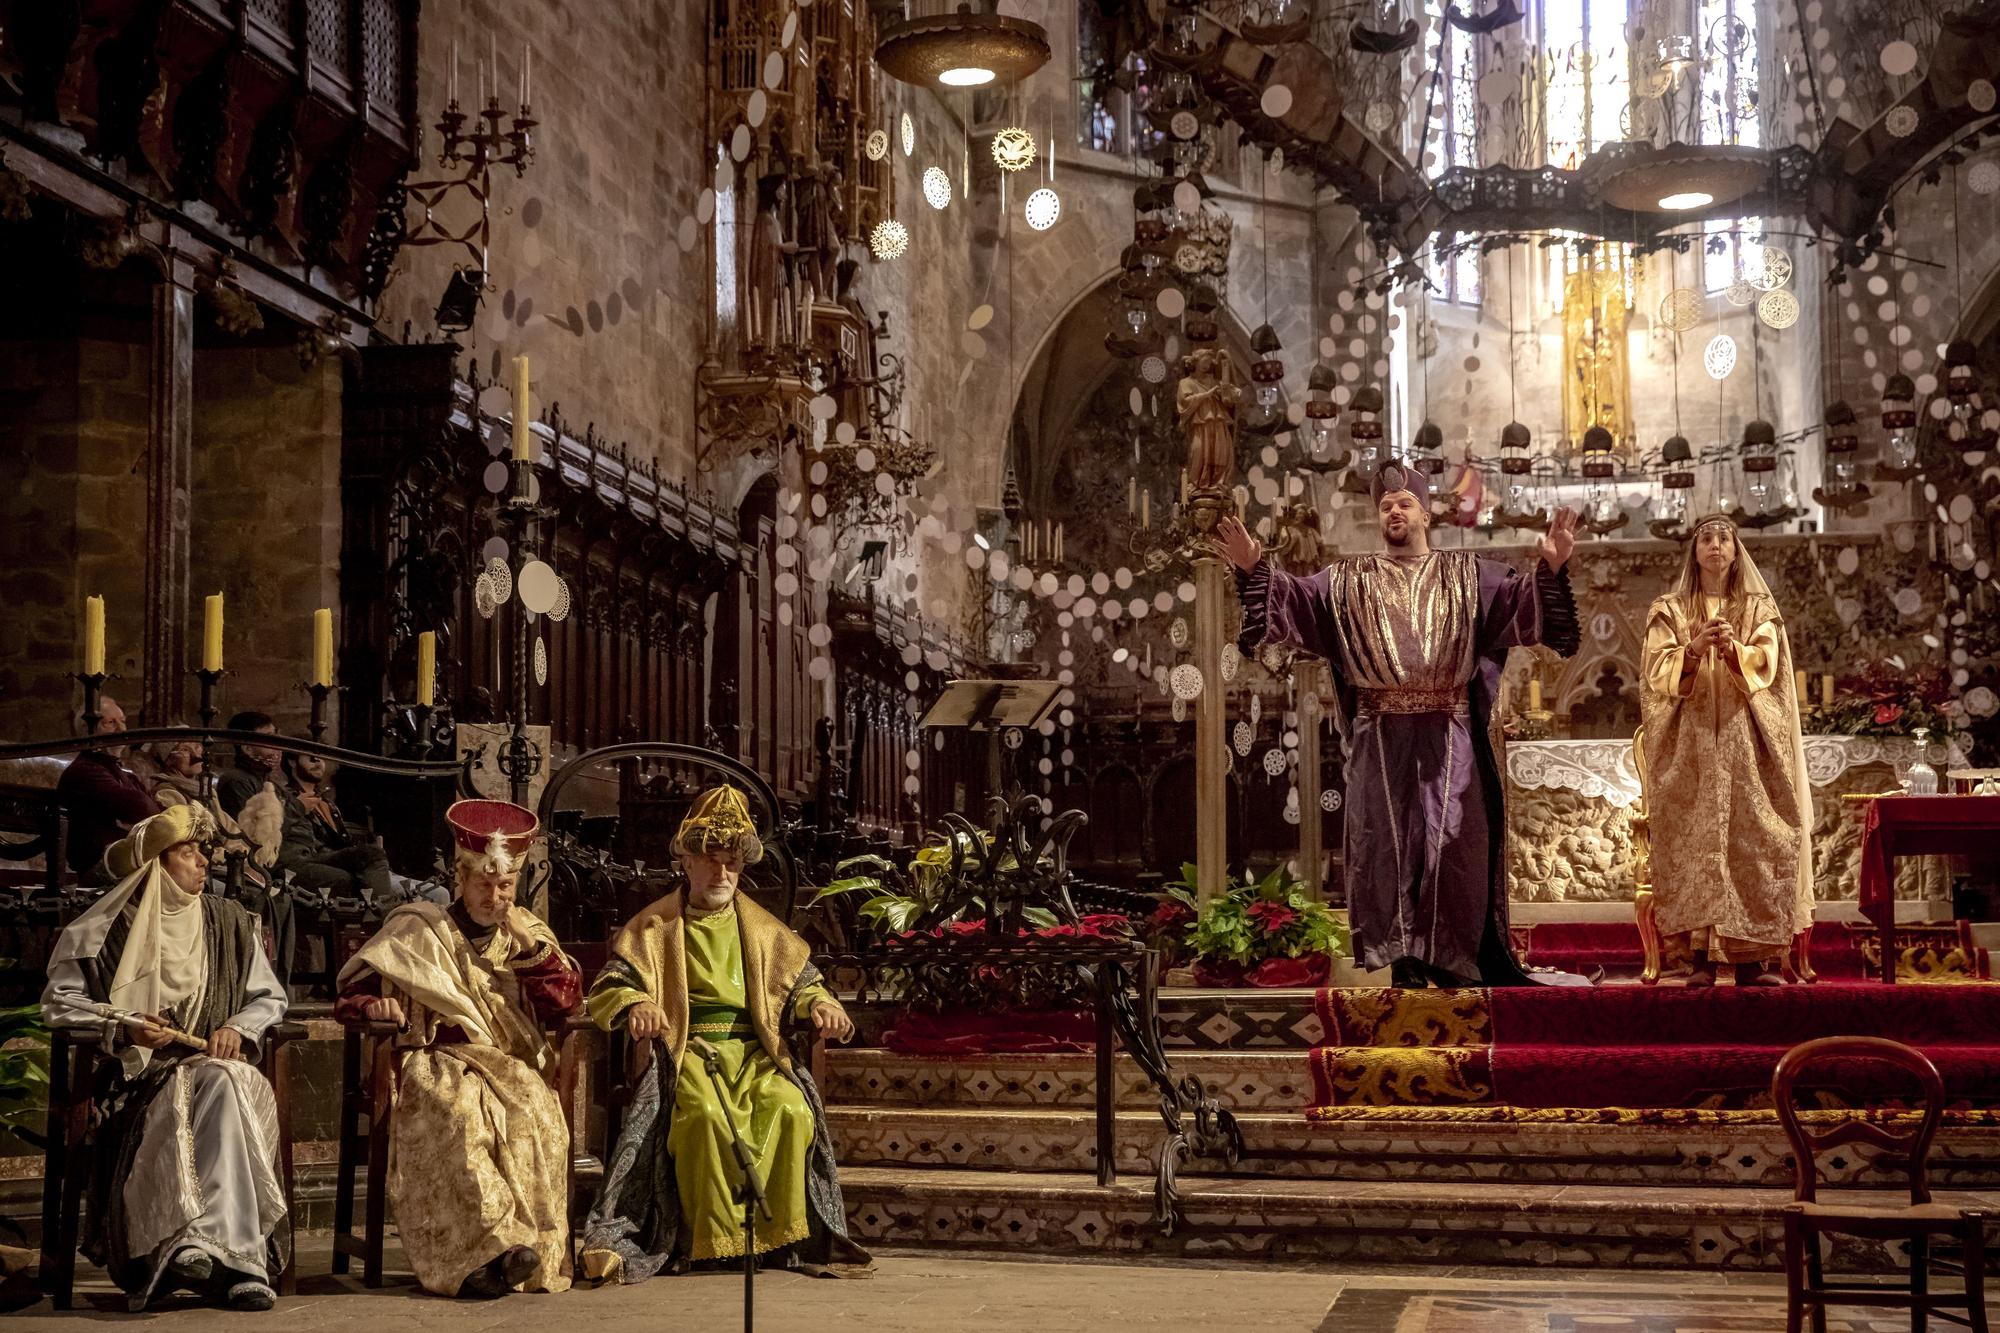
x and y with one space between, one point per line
184 1188
479 1147
702 982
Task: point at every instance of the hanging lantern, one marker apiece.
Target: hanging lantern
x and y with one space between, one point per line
1264 410
1670 510
1322 414
1200 325
1762 506
1514 440
1843 438
1961 379
1598 446
1427 449
1364 428
1899 422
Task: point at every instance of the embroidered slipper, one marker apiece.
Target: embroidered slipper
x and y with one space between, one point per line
251 1296
192 1268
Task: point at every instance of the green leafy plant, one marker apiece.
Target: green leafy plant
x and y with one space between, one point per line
895 898
24 1073
1255 920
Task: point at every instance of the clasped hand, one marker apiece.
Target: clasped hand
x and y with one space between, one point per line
1717 633
645 1021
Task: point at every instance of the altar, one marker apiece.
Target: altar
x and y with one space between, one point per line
1569 830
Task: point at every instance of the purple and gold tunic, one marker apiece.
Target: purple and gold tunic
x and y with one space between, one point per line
1417 644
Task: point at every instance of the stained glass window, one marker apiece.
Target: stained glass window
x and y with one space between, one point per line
1585 89
1452 140
1728 112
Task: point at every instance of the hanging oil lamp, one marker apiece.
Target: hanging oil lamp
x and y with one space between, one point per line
1842 491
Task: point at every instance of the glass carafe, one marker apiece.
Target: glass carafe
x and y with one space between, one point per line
1923 778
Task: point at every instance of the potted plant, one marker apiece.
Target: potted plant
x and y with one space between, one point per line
1264 932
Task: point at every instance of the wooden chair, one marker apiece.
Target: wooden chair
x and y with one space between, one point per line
1917 1222
73 1058
370 1069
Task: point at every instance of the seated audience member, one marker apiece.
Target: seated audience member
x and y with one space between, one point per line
318 850
255 765
101 796
479 1148
172 771
702 981
184 1183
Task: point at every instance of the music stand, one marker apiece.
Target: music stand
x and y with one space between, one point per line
994 705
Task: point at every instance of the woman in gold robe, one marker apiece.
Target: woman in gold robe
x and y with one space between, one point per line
1725 769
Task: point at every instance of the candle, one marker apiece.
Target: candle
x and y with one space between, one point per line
211 632
1059 536
1146 509
523 451
493 61
93 636
426 669
1799 686
1534 694
453 93
1826 690
1132 496
527 64
323 647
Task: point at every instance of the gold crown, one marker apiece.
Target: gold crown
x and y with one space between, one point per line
719 821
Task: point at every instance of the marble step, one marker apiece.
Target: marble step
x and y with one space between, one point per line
1240 1080
1064 1139
1417 1222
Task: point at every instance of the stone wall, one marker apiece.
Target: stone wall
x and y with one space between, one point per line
267 519
587 277
73 522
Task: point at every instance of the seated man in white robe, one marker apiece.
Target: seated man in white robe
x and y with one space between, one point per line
184 1190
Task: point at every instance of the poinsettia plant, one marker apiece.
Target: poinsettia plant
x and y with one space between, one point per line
1883 699
1264 932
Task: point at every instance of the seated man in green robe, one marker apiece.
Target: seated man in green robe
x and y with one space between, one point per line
705 976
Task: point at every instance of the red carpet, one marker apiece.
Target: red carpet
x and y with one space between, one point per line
1641 1047
1840 950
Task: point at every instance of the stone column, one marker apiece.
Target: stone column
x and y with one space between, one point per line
1207 398
169 472
1310 674
1211 785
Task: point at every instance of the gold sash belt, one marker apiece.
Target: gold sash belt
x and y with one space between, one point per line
1411 701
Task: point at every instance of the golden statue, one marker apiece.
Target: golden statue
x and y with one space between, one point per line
1207 399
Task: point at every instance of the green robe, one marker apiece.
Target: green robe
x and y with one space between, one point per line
669 1192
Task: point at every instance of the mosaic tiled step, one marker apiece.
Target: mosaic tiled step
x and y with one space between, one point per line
1241 1080
1059 1139
1418 1222
1239 1020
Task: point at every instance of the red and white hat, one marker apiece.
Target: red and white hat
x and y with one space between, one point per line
496 833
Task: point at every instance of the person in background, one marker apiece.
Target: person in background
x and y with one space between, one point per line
255 764
102 798
318 850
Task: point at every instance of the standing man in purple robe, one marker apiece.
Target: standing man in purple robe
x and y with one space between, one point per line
1417 639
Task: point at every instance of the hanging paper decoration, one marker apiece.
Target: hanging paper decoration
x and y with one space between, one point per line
1245 738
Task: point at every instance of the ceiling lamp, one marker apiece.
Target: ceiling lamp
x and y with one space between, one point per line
1841 491
1899 419
1679 177
1265 410
1670 513
1322 412
959 45
1364 428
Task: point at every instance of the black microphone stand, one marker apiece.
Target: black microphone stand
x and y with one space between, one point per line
751 1191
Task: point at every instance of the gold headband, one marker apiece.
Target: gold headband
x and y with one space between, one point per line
1708 523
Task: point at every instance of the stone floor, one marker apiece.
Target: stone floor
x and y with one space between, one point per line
920 1292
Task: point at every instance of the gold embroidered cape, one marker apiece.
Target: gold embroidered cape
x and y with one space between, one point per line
479 1147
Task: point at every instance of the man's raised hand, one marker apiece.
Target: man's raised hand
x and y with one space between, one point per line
1236 544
